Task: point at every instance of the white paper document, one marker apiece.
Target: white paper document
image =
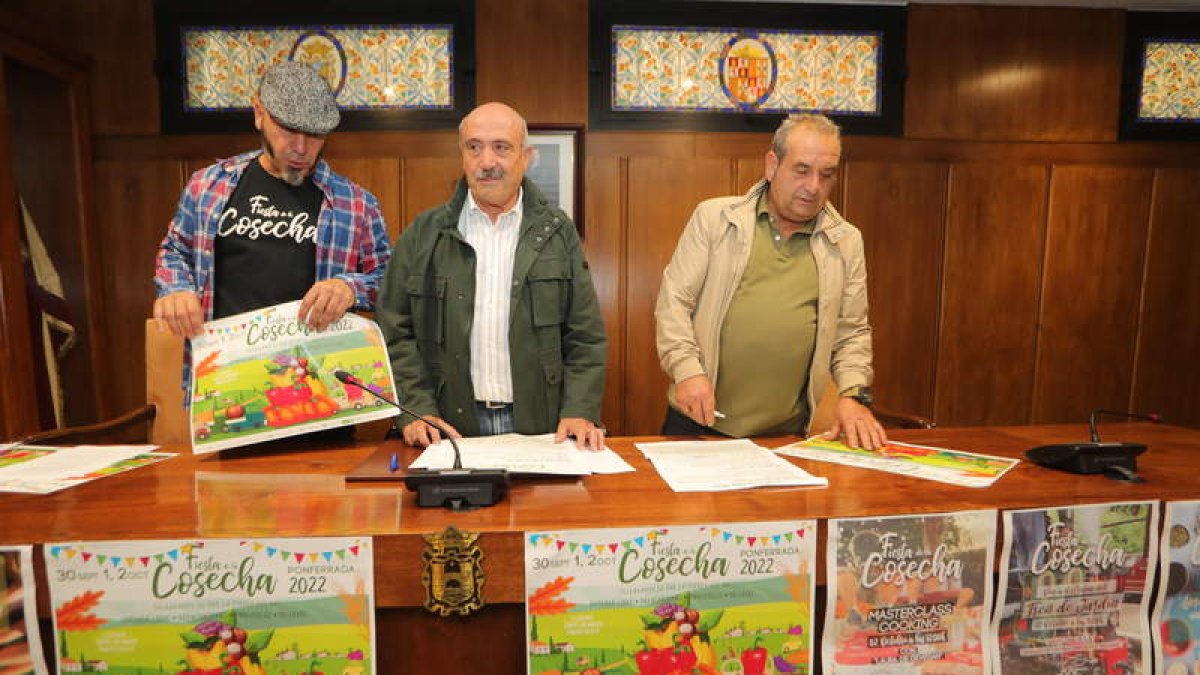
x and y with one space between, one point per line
522 454
43 469
710 466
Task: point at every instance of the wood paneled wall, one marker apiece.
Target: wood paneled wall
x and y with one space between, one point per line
1024 266
1007 284
1013 73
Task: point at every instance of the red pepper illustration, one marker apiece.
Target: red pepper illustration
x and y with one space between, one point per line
685 659
754 660
647 660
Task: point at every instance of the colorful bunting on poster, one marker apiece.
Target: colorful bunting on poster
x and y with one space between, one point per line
762 540
69 552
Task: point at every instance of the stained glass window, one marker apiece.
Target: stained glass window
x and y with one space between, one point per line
741 70
377 67
1170 86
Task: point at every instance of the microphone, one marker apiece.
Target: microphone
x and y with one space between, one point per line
1115 459
457 489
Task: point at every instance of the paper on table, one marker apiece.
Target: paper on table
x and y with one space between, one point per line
522 454
43 469
944 465
709 466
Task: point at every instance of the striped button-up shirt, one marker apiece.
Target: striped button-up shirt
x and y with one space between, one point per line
495 247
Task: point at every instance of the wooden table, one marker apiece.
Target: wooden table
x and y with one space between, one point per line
158 502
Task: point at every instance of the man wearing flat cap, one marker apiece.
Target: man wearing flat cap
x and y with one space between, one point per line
273 225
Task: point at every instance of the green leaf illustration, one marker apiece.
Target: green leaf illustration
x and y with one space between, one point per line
258 640
709 619
652 620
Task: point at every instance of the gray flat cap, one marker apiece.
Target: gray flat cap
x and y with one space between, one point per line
298 98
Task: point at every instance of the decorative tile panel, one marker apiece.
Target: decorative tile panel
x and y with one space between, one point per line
1170 81
666 68
394 67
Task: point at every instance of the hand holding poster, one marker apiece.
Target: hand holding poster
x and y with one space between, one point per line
908 594
264 375
1074 586
727 598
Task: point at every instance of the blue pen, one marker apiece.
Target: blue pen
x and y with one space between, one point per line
394 464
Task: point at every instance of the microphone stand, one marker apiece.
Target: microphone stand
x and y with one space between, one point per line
457 489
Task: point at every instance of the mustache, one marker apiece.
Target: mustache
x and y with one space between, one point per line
494 173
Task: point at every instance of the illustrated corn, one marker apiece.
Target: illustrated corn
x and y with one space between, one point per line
662 639
705 654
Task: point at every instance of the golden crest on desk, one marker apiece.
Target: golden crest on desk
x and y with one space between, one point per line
453 572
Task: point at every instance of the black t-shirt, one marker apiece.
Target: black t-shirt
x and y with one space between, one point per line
266 244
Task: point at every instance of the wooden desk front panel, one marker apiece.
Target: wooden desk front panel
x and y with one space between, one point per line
158 502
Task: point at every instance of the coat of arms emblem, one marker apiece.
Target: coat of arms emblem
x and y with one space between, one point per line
453 573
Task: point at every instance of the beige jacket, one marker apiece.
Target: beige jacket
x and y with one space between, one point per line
699 282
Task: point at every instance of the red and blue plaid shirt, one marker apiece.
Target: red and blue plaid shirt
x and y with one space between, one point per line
352 241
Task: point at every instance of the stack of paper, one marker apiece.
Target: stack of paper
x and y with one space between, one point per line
522 454
42 469
708 466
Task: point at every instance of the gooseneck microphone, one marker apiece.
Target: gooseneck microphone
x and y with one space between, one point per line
456 488
1152 417
1115 459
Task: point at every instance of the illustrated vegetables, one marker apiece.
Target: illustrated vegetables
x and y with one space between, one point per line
676 635
297 393
220 647
754 659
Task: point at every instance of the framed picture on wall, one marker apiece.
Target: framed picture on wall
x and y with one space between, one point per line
391 65
556 166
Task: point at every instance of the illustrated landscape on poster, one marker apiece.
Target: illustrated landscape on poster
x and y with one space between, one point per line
214 607
264 375
686 600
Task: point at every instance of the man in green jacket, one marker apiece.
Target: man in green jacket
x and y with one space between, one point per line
488 309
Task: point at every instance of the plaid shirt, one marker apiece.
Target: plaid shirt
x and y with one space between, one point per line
352 241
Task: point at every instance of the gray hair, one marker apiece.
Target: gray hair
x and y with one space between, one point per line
524 125
812 121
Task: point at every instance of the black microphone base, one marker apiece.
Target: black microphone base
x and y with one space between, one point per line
1118 460
457 489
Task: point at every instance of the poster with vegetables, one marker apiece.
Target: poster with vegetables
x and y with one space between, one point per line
731 598
264 375
909 594
1074 586
214 606
20 643
1177 610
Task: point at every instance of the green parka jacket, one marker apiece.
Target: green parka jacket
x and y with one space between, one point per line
556 335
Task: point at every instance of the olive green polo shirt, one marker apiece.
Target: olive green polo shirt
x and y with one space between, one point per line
768 335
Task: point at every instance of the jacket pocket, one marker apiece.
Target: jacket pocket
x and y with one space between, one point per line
549 290
552 370
427 298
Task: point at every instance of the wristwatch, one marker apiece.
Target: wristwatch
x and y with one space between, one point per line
862 394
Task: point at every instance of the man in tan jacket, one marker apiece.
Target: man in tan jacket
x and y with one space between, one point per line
765 299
